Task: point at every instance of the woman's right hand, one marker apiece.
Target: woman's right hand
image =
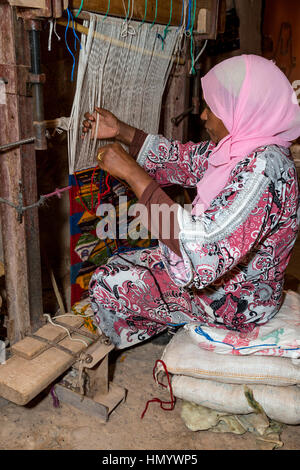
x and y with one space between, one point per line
108 124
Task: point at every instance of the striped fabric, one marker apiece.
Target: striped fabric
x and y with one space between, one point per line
87 250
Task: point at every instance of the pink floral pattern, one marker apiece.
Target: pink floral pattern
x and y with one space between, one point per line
234 254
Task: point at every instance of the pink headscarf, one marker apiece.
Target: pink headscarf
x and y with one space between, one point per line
258 107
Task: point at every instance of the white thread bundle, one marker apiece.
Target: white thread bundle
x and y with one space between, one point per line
125 74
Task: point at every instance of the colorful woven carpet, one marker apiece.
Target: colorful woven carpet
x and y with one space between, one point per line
89 187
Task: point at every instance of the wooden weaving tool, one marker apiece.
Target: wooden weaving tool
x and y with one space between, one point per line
40 359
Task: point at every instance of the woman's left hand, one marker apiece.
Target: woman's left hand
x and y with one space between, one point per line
118 163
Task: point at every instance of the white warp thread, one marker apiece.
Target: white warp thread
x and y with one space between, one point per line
125 74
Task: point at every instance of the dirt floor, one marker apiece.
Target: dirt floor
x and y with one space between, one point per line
42 426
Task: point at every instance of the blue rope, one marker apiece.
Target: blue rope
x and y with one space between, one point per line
67 27
189 15
70 18
74 32
181 20
159 36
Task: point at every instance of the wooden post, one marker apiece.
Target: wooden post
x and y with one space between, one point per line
18 177
176 101
249 12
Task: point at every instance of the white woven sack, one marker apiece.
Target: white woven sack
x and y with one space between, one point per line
279 337
184 357
279 403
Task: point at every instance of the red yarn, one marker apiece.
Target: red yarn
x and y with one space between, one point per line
100 195
171 403
79 194
92 193
92 211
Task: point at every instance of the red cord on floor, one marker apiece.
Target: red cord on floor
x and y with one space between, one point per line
171 403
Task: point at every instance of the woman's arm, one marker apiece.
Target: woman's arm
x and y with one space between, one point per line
168 162
171 162
249 229
116 161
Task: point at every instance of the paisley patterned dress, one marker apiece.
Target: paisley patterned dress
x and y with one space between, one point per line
234 255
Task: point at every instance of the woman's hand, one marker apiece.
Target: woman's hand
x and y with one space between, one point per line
109 126
118 163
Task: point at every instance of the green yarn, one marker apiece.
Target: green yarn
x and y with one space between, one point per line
143 21
151 26
80 8
108 8
127 10
166 30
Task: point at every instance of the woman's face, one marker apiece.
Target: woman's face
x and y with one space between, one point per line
213 125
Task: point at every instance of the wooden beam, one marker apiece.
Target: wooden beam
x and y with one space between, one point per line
28 3
117 9
167 12
83 30
18 176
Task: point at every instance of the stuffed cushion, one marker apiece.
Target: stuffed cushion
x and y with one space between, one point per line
279 337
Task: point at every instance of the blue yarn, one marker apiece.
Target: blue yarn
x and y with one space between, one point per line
108 250
67 27
70 18
123 249
74 32
189 15
101 180
181 20
159 36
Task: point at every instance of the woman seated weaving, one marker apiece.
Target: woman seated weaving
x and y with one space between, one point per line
226 267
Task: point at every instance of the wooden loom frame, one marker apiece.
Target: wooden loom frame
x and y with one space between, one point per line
18 166
21 241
